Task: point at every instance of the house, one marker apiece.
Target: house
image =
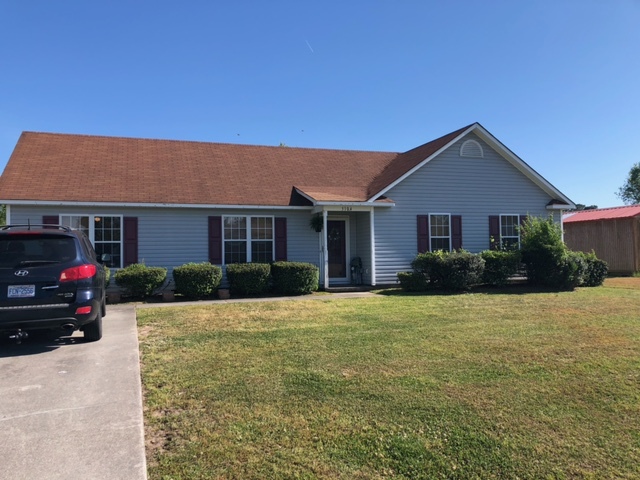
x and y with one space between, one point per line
612 233
166 202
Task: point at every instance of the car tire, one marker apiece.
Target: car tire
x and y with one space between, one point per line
93 330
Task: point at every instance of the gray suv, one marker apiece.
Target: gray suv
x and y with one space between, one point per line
50 279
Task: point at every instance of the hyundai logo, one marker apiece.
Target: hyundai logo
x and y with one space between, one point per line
21 273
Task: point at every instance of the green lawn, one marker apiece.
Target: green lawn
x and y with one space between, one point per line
483 385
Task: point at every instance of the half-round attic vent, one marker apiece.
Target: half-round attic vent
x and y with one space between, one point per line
471 148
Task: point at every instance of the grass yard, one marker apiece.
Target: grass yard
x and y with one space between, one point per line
483 385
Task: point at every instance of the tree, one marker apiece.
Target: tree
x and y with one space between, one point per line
629 193
3 214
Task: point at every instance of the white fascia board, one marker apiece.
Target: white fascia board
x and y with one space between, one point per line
356 204
421 164
561 207
521 165
149 205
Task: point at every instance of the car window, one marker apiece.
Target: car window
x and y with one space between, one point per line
17 250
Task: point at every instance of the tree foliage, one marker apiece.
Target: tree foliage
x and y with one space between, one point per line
629 193
3 214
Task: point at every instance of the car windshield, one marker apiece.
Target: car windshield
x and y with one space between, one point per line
18 250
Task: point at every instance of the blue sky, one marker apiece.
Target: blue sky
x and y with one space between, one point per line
557 81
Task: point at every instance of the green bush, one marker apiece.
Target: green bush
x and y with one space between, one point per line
138 280
107 276
597 270
570 271
197 280
294 278
413 282
449 270
248 278
499 266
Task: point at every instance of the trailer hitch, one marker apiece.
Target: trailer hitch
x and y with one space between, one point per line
19 336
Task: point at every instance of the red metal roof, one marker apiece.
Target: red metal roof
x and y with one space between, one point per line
603 214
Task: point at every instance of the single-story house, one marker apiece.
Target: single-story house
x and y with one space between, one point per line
612 233
166 203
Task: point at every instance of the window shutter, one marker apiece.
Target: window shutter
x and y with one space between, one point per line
215 240
494 232
423 233
281 238
50 220
130 244
456 232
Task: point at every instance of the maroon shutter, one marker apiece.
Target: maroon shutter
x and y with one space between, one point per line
456 232
50 220
494 232
423 233
215 240
281 239
130 244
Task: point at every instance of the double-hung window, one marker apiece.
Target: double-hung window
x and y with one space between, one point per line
248 239
104 232
440 232
510 232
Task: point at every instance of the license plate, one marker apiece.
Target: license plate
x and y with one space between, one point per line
21 291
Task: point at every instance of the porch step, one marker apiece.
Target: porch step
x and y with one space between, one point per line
348 288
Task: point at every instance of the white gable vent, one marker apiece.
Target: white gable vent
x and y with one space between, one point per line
471 148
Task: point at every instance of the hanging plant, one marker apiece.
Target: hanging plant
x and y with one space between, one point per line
316 222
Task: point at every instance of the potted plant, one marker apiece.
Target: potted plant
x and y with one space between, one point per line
316 222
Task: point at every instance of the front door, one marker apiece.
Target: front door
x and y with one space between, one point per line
337 248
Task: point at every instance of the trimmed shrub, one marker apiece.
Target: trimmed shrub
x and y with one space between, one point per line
107 276
499 266
138 280
570 271
197 280
413 282
458 270
294 278
248 278
597 270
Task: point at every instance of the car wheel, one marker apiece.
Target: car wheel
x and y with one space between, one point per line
93 330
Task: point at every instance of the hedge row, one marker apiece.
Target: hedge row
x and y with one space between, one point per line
198 280
283 278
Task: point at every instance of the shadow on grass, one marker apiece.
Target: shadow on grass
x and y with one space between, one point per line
516 289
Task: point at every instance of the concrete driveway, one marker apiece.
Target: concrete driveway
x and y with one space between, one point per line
73 410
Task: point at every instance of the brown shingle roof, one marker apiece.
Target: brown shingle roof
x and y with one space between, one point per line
84 168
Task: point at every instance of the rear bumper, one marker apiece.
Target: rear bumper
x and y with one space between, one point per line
48 317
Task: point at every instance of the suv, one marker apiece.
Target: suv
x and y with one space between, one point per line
50 279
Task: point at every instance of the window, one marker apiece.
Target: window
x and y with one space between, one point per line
440 232
248 239
510 232
104 232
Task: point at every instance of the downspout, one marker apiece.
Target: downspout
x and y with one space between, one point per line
373 246
325 249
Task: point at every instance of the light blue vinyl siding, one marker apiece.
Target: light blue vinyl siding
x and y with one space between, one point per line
169 237
474 188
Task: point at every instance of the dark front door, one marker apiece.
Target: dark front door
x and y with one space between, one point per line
337 247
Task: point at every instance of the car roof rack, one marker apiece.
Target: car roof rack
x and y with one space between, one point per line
29 226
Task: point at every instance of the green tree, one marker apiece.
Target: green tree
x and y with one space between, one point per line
629 193
3 214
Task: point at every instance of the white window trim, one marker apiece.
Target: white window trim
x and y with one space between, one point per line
91 235
248 240
518 226
448 215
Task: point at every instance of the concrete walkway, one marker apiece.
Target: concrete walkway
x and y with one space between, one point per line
73 410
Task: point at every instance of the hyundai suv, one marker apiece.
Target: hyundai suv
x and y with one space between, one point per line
50 279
